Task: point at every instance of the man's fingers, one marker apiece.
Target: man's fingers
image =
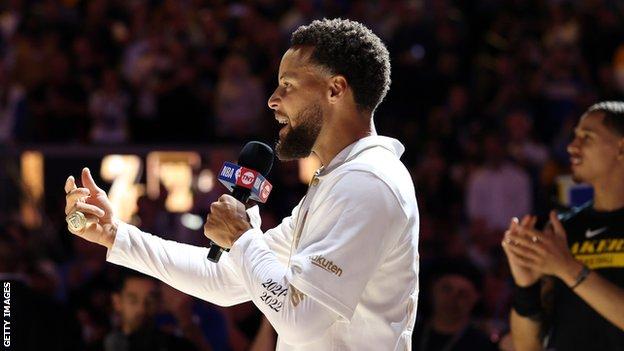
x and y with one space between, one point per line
532 222
229 199
532 243
519 243
548 230
521 256
88 182
530 255
70 184
557 226
74 196
87 209
522 238
505 244
92 200
226 198
528 222
516 257
512 223
525 223
512 257
527 232
222 204
211 220
91 219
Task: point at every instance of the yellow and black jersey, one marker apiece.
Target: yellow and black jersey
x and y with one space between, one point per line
596 239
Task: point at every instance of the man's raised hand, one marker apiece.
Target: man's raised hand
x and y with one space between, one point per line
93 203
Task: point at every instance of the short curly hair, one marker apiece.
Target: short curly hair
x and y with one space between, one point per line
350 49
613 114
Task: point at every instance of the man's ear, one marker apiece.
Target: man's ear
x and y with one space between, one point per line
337 88
620 155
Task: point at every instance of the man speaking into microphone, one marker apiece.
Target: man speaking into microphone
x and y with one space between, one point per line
340 273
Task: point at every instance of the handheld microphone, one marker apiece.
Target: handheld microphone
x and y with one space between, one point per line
246 180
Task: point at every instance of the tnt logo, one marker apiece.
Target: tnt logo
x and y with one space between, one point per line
248 178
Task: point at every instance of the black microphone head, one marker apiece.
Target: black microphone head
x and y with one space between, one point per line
257 156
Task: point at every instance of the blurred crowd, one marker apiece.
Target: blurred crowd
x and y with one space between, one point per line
484 95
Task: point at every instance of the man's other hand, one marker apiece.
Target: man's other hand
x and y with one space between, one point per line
226 222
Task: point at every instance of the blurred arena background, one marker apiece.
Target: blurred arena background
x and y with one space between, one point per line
153 96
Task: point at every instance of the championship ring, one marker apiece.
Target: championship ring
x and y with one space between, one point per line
76 222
